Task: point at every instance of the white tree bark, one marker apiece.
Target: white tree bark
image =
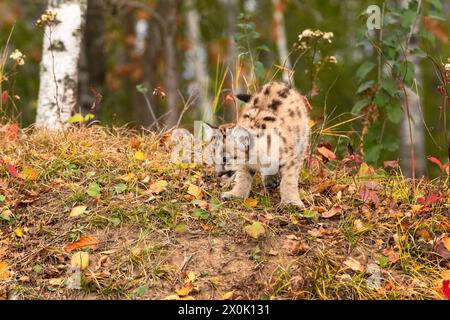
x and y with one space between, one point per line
281 40
415 120
59 65
196 62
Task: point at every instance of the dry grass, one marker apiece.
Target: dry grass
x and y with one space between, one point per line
149 242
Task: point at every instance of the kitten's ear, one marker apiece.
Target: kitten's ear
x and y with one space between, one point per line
209 131
244 97
241 137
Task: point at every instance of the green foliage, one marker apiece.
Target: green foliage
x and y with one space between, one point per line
383 79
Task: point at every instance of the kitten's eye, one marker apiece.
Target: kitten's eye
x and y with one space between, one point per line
226 158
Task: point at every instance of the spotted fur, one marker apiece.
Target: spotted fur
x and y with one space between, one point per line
271 137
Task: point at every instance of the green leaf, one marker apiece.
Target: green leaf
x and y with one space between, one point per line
119 188
259 70
381 98
141 88
309 214
394 112
408 18
383 262
256 230
373 153
141 291
436 3
2 198
364 70
392 144
77 118
37 268
88 117
388 84
94 190
201 214
436 15
364 86
359 105
115 221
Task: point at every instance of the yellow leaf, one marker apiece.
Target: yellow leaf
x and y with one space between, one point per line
56 282
139 155
191 277
228 295
18 232
183 292
256 230
77 211
80 260
365 170
250 202
4 271
195 191
127 177
446 241
28 174
158 186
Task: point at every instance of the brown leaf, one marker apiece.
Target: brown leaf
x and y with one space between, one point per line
327 153
84 241
323 186
442 246
436 28
354 264
4 271
332 212
297 247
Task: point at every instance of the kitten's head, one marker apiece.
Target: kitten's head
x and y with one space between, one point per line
228 147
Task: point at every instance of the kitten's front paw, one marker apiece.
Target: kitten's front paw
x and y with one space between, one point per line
226 196
297 203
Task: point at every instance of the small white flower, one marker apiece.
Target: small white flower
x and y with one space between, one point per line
332 60
328 36
18 57
447 67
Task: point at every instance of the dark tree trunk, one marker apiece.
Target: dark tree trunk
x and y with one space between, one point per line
92 60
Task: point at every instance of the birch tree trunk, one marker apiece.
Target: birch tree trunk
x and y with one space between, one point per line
196 62
59 65
416 119
280 39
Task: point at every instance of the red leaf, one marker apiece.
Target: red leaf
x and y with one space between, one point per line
392 164
421 200
430 199
435 160
13 130
4 97
446 288
12 170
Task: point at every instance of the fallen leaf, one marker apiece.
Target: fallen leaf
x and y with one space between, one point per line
228 295
191 277
185 291
250 202
332 212
4 271
56 282
446 288
256 230
84 241
18 232
359 226
297 247
139 155
158 186
195 191
390 164
77 211
4 97
442 246
80 260
323 186
354 264
424 234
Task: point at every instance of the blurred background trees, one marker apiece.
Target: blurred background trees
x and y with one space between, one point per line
207 49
